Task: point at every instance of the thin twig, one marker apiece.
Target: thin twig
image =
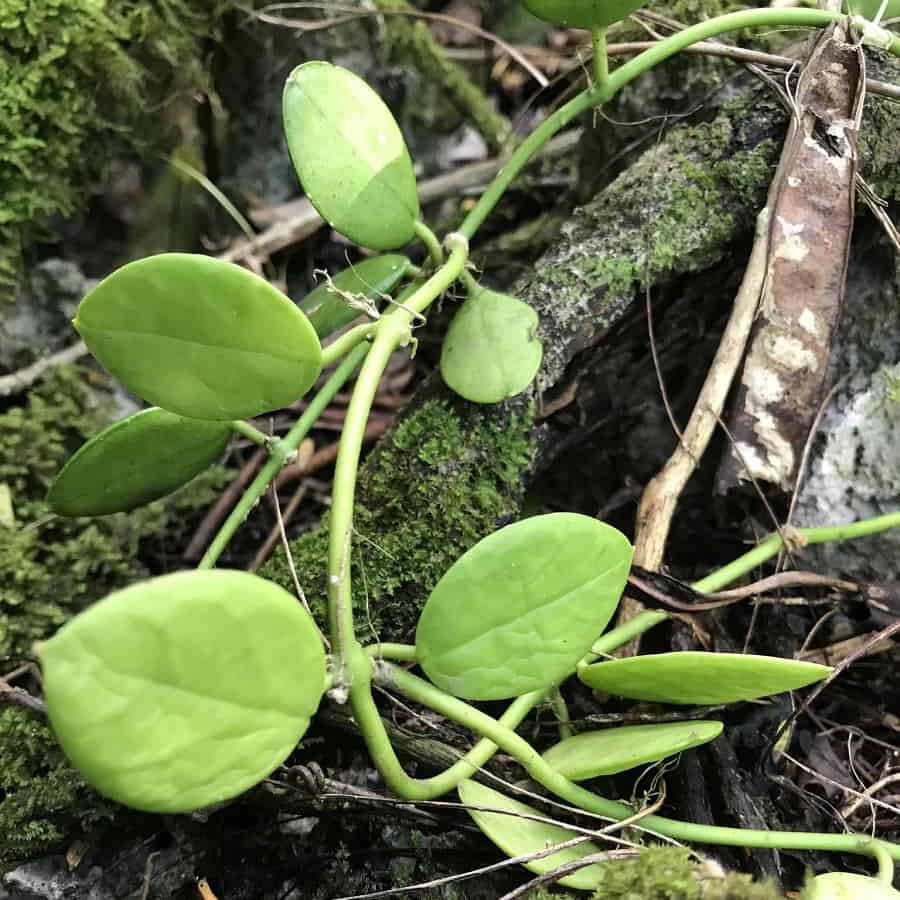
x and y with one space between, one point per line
351 14
16 382
866 795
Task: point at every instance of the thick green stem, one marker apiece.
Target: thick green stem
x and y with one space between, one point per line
773 545
391 677
248 431
393 331
382 751
431 242
597 96
396 652
280 451
601 58
338 349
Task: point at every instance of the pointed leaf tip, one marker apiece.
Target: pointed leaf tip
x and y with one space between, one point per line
689 677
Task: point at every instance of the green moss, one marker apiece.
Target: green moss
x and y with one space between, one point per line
667 873
39 789
878 151
81 80
414 41
445 478
50 569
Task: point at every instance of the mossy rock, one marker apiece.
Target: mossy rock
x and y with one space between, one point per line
668 873
50 568
83 82
443 479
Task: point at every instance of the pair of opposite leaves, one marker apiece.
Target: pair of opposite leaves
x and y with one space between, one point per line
186 690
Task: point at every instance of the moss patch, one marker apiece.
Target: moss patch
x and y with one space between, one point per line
447 476
49 570
667 873
80 80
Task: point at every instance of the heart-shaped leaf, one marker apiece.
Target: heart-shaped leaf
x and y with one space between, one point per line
200 337
519 609
700 678
583 13
350 156
186 690
139 459
517 836
847 886
490 351
619 749
329 307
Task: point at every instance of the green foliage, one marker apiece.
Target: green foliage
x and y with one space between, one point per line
848 886
667 873
441 483
84 81
350 155
195 336
516 835
700 678
185 690
519 610
336 302
134 461
618 749
49 573
583 13
491 351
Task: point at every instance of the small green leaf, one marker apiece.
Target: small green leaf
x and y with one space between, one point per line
516 836
328 307
350 156
519 609
491 352
200 337
183 691
583 13
868 9
700 678
619 749
847 886
134 461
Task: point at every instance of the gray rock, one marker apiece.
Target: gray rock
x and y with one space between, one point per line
39 321
854 472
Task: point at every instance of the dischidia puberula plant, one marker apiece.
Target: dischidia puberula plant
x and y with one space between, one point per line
185 690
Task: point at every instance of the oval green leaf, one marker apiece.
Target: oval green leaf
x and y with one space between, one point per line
848 886
135 461
516 836
619 749
183 691
350 156
583 13
519 609
490 351
700 678
200 337
328 307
